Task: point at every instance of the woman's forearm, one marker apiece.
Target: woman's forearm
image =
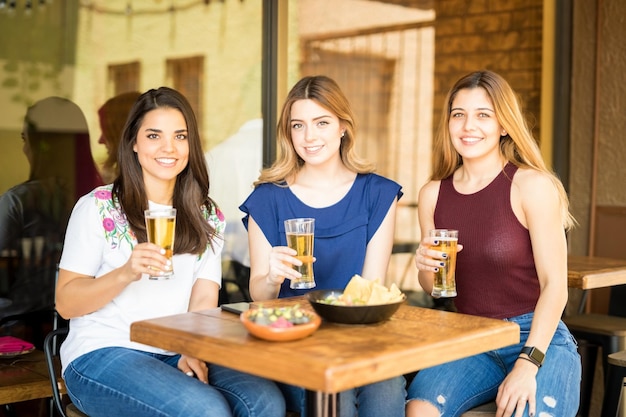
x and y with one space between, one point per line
78 295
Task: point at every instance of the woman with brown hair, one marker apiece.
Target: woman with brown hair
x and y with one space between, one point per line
104 283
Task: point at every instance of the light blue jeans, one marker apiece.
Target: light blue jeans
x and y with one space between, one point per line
381 399
124 382
458 386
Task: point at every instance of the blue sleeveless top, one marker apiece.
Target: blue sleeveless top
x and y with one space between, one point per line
342 231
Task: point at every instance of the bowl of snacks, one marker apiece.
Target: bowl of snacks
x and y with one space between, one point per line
361 302
280 324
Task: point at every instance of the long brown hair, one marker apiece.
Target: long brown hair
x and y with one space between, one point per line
518 146
191 191
325 92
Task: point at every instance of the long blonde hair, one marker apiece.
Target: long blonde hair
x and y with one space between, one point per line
518 146
325 92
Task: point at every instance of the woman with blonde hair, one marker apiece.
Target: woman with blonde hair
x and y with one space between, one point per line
318 174
490 183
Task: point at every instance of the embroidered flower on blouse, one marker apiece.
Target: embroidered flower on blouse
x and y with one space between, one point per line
216 219
117 230
116 227
108 224
102 194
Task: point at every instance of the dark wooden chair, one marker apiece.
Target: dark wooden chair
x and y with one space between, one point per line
613 391
237 275
62 404
593 331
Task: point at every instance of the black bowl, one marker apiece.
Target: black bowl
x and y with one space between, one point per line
363 314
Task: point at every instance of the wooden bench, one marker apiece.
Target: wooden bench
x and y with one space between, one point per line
24 378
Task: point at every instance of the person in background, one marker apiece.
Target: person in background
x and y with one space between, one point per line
112 116
103 284
318 174
490 183
237 162
34 214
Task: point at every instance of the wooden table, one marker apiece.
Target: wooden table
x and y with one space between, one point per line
336 357
609 332
589 272
24 378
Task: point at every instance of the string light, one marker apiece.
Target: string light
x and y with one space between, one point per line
11 6
129 10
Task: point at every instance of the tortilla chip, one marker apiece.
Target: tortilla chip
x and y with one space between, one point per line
395 291
371 292
359 289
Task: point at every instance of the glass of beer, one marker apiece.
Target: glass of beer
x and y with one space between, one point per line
300 234
444 284
160 228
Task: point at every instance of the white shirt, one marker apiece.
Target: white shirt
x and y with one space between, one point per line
234 165
98 240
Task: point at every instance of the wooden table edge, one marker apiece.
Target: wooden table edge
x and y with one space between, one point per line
503 335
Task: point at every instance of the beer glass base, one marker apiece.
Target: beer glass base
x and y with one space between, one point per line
306 285
444 294
161 277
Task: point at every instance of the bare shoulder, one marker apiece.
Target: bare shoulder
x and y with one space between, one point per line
528 179
426 203
429 192
534 187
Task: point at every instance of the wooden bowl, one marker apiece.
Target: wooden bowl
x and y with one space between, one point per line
276 334
356 314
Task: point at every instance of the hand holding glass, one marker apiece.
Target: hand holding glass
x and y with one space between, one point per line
161 228
444 284
300 237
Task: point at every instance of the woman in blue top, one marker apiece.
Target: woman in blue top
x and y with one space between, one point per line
319 175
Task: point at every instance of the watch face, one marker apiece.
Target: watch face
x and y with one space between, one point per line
534 353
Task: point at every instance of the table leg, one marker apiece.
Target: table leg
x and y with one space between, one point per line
322 404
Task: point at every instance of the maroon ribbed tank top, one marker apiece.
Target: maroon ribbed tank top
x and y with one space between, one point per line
495 273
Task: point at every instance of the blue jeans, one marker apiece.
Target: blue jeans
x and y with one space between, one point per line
381 399
124 382
458 386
